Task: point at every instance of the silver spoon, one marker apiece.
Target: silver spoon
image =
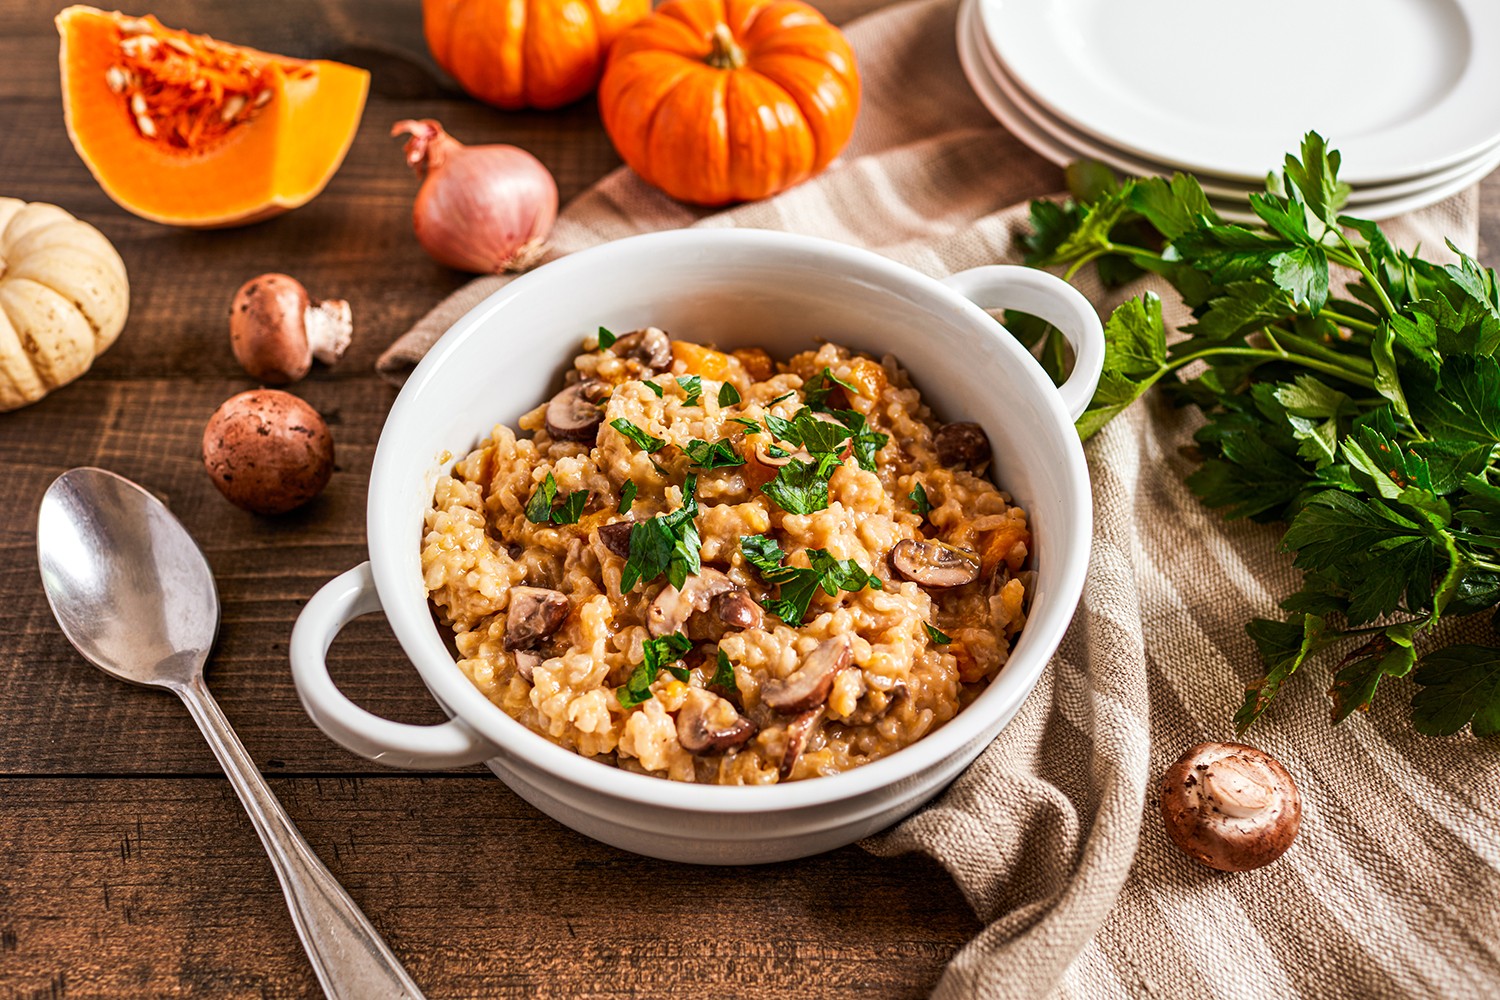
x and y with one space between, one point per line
134 594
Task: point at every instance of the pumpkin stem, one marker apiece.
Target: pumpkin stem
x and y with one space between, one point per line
726 52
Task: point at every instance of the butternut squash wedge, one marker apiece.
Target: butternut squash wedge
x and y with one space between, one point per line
189 131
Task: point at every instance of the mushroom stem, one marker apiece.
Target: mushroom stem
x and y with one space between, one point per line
330 328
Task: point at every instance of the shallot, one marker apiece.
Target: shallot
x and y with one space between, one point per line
486 209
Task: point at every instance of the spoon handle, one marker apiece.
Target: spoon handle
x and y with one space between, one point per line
351 959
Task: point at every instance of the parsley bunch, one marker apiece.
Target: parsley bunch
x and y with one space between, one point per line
1364 415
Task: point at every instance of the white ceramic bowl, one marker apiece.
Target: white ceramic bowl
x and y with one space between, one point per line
733 288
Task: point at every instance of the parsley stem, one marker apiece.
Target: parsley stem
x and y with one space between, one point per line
1316 364
1305 345
1349 321
1352 259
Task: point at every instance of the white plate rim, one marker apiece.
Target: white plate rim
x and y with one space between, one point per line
1064 133
1448 133
1018 124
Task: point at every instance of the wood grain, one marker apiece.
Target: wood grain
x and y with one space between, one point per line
158 888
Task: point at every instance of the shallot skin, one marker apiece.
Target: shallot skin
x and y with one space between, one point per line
484 209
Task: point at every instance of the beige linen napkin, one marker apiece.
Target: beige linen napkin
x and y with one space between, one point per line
1393 888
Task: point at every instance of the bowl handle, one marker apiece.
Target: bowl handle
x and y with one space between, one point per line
340 601
1025 289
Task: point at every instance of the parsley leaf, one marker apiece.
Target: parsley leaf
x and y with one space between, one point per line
918 497
938 638
728 394
1460 686
782 398
865 442
657 654
627 497
539 509
666 543
658 390
718 455
723 677
606 339
816 389
801 487
693 386
571 508
798 585
646 442
747 423
1283 646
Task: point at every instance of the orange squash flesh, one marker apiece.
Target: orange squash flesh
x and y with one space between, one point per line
189 131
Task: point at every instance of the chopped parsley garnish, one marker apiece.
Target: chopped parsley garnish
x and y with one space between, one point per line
937 637
645 442
781 428
776 452
666 543
818 436
606 339
656 655
571 508
802 487
798 585
653 387
782 398
693 386
540 509
920 503
747 423
866 442
718 455
728 394
816 389
627 496
724 674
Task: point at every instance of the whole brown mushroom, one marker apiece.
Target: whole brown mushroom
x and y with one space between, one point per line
267 451
1230 806
277 330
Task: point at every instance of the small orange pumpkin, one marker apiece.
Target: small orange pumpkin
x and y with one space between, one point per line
534 54
718 101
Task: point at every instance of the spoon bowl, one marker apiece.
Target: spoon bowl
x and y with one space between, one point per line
135 596
125 580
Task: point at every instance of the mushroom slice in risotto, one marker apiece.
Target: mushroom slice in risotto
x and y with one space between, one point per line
672 607
651 348
573 414
808 685
962 444
934 564
534 614
799 732
616 537
708 724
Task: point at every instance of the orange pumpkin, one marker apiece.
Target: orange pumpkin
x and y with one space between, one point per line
190 131
717 101
526 53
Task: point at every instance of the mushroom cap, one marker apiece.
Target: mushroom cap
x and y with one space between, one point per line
807 687
268 329
934 564
962 444
573 415
267 451
709 724
1230 806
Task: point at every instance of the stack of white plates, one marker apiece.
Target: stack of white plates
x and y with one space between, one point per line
1407 90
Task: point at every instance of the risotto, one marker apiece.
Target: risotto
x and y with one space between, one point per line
713 567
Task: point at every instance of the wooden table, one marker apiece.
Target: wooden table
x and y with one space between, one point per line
127 868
